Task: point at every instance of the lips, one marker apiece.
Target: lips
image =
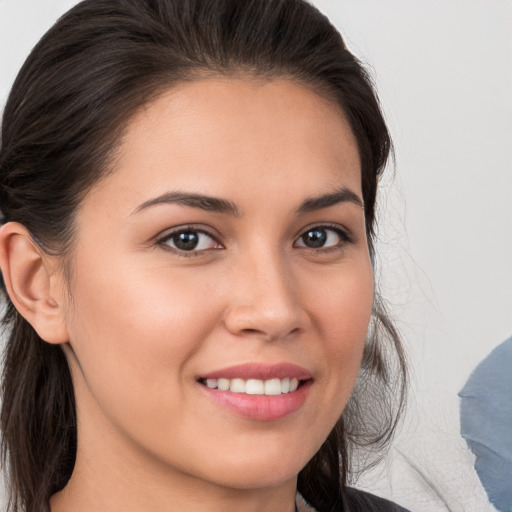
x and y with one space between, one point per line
256 391
260 371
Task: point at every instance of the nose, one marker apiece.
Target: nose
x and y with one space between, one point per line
264 299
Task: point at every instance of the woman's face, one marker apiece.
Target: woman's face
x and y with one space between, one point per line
226 249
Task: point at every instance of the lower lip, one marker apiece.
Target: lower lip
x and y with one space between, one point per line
260 407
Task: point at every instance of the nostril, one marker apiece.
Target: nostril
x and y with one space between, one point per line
251 331
264 319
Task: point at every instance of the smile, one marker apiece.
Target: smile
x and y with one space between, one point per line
270 387
263 392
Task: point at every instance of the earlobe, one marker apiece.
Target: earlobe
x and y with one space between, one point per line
27 276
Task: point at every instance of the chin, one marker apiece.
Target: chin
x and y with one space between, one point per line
257 470
262 476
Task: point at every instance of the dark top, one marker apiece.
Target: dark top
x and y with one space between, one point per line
360 501
356 501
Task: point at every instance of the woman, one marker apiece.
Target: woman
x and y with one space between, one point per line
188 190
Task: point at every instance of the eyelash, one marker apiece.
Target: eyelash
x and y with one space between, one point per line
180 252
343 234
345 238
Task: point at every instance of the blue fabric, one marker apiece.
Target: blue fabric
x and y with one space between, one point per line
486 423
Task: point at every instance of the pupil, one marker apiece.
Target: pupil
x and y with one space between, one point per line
186 241
315 238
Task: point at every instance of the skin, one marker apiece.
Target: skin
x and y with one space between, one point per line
145 321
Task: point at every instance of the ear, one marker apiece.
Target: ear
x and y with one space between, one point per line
27 271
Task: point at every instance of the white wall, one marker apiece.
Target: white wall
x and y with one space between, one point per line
443 70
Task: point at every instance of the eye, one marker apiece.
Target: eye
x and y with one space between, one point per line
189 240
322 237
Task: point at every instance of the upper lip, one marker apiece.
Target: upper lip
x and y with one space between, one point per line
260 371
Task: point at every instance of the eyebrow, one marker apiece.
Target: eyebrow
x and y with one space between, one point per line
210 204
343 195
215 204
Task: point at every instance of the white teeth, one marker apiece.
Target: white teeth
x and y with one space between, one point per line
237 386
255 387
223 384
271 387
211 383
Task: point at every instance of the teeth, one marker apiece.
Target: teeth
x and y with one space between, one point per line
212 383
238 386
255 386
223 384
273 387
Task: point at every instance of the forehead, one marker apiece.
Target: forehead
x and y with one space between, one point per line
233 136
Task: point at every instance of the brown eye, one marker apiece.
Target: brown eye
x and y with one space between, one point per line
190 240
187 241
314 238
321 237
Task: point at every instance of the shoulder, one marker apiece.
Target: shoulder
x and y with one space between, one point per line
357 500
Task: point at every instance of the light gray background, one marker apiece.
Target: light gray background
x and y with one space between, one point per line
444 75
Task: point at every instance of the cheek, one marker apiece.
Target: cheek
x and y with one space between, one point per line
342 310
133 331
343 304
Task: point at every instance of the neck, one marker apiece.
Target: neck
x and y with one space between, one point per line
109 474
93 497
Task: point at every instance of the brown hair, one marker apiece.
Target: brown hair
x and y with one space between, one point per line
83 81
